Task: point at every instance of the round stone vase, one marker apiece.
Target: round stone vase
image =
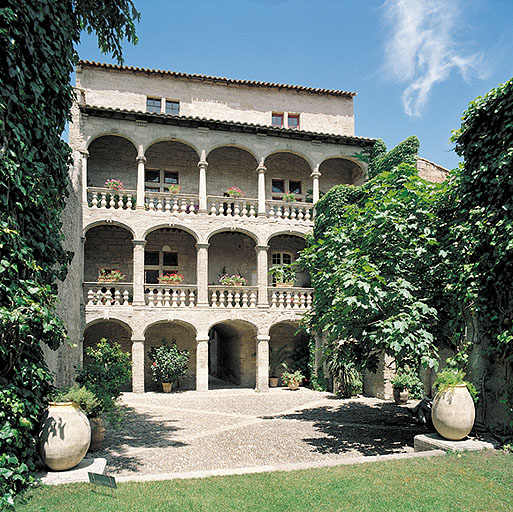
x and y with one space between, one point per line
453 413
65 436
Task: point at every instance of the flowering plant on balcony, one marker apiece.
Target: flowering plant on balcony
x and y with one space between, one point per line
174 189
114 184
288 197
173 278
110 276
233 280
234 192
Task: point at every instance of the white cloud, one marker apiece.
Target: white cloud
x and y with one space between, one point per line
422 49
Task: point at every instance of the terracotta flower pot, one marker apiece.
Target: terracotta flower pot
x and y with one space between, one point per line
453 413
97 434
273 382
400 396
293 386
65 436
166 387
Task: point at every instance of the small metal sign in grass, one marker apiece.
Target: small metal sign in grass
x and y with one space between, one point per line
102 480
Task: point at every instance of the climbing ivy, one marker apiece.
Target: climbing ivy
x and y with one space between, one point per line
36 58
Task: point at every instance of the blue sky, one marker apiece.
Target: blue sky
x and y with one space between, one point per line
415 64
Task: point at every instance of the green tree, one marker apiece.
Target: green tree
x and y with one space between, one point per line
37 55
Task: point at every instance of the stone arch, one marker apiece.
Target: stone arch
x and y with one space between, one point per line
185 335
287 151
97 136
157 140
116 223
109 247
229 166
338 170
242 147
113 330
240 259
181 227
281 244
245 231
232 353
112 157
293 232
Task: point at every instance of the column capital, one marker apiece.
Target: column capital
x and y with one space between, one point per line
202 164
84 153
141 159
261 169
137 340
199 339
139 242
315 173
202 245
261 337
83 239
261 248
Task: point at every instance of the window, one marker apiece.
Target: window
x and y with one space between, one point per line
279 186
158 180
153 104
172 107
278 259
293 121
157 263
277 120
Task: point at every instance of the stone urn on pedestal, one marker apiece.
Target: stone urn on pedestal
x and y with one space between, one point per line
65 436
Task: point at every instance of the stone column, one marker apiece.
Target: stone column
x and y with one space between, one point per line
138 366
141 178
202 166
85 155
262 363
138 279
202 274
315 183
261 189
262 278
202 363
83 239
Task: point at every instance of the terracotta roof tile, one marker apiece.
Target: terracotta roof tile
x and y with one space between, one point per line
249 83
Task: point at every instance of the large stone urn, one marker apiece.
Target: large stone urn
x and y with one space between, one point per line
65 436
453 412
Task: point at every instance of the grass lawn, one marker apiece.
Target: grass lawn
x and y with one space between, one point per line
466 483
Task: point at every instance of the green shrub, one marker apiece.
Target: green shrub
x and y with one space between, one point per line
81 396
450 377
168 363
408 378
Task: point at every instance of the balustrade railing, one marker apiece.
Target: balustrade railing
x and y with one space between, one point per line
170 296
290 298
171 203
232 296
108 294
232 207
98 197
291 211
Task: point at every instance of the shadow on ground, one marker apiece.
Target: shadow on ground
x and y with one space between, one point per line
349 426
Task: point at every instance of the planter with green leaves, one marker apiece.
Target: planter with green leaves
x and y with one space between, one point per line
289 197
110 276
283 275
292 379
168 364
234 192
233 280
171 278
403 381
453 412
174 189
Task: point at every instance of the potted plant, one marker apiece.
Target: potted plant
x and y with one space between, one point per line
168 364
114 184
453 412
91 406
284 275
174 189
276 359
232 280
401 383
288 197
292 379
172 278
110 276
235 192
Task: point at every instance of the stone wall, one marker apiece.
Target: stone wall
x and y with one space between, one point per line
128 90
431 171
378 384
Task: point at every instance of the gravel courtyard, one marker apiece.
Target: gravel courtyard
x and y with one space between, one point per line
235 428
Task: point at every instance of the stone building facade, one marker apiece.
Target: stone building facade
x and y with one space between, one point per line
151 129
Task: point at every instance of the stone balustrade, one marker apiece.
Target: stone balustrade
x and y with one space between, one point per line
172 203
108 294
107 198
232 296
290 298
232 206
292 211
170 295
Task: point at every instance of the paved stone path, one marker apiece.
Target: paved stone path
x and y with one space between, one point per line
237 428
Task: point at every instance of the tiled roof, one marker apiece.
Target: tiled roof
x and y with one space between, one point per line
225 125
216 79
